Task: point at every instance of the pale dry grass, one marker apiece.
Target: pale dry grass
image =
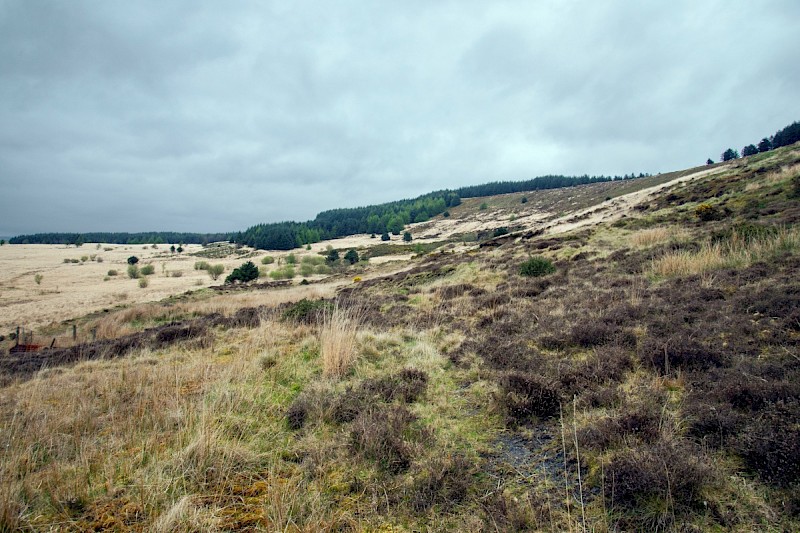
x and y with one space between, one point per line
772 178
160 436
338 340
653 236
735 252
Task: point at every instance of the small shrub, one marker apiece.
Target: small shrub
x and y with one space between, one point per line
133 271
297 413
84 258
499 231
445 481
665 471
143 282
381 435
176 274
707 212
112 272
484 206
351 257
446 214
385 236
357 279
322 269
770 445
524 200
74 260
525 396
215 271
291 259
306 270
99 259
67 260
147 270
38 279
537 266
201 265
306 311
407 237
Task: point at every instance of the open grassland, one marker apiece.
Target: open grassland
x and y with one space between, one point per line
615 393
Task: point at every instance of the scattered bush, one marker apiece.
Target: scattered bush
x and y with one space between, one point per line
707 212
201 265
38 278
246 272
537 266
84 258
307 311
351 257
297 413
267 260
291 259
143 282
112 272
500 231
385 236
445 481
407 237
484 206
381 435
670 472
147 270
770 445
176 274
133 271
215 271
524 200
525 396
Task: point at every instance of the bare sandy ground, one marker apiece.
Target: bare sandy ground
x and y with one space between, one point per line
612 210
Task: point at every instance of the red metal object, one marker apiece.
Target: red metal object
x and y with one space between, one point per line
21 348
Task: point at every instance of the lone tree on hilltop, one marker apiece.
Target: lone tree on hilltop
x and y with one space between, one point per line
750 149
709 161
730 154
765 145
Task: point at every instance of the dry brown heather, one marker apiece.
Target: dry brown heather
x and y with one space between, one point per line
650 383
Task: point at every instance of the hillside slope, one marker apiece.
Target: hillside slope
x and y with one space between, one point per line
647 380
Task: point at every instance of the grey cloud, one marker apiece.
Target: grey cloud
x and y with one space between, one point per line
202 116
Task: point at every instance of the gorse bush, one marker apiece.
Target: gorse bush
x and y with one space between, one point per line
537 266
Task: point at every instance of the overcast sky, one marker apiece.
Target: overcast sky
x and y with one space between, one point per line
213 116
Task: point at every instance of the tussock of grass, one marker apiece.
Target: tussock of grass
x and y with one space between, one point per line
653 236
735 252
338 340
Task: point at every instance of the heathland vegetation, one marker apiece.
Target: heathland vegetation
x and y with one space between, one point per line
635 371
